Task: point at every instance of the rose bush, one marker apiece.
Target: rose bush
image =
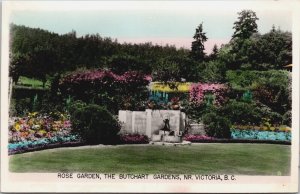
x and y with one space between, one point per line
134 139
127 91
199 92
197 138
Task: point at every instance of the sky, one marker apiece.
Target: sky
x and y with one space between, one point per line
169 25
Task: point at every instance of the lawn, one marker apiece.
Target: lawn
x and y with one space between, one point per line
25 81
246 159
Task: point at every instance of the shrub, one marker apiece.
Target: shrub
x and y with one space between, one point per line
200 92
287 118
241 112
197 138
95 125
272 87
77 105
216 125
134 139
249 113
106 88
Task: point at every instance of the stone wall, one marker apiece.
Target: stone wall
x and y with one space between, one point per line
150 121
197 129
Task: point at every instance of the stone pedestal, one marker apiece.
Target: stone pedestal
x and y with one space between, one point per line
149 122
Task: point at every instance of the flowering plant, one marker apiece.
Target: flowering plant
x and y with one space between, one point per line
196 138
102 78
199 90
25 145
262 127
260 135
36 125
134 139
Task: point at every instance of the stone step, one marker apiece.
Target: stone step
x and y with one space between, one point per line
183 143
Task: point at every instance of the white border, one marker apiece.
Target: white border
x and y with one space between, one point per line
47 182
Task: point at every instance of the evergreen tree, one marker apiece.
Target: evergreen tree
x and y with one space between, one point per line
246 25
200 37
214 53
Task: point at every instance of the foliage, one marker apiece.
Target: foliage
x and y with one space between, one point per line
287 118
261 135
117 91
197 51
167 70
214 54
199 93
175 68
263 127
246 24
273 96
62 53
216 125
20 107
241 112
134 139
44 142
120 64
26 99
213 72
250 79
95 125
194 111
180 87
272 88
247 96
272 50
17 63
37 125
76 105
196 138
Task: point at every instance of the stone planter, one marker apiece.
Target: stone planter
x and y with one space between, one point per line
172 139
156 138
161 132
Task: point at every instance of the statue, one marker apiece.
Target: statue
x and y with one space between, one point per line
167 126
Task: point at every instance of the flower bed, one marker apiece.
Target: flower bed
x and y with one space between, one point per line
261 135
266 127
134 139
43 143
198 91
197 138
39 130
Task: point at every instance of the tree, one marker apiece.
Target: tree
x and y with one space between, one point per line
214 71
18 62
198 44
242 39
246 25
272 50
214 53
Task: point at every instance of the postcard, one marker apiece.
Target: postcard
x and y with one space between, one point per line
150 96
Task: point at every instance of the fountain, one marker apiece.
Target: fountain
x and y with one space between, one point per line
161 126
165 134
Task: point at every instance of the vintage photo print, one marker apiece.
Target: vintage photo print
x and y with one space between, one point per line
150 96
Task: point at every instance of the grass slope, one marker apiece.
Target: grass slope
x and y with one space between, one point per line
29 82
247 159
